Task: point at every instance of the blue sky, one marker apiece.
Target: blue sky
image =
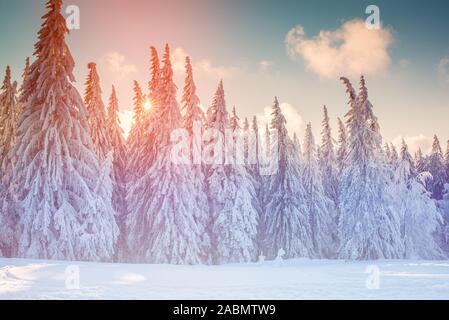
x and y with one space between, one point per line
243 42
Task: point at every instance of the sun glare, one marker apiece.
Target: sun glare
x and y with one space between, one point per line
147 105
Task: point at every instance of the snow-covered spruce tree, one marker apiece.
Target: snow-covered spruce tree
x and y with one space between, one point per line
327 160
141 158
136 133
320 206
444 209
420 163
25 74
387 153
119 152
162 219
246 142
394 157
419 214
134 144
96 114
8 129
234 120
267 141
435 166
63 213
286 216
342 151
9 122
230 190
191 102
142 150
297 145
155 84
366 109
253 156
193 121
8 118
446 162
368 227
253 153
443 205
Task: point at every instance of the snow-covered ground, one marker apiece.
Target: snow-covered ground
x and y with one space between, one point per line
295 279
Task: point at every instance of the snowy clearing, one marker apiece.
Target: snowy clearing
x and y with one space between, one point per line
294 279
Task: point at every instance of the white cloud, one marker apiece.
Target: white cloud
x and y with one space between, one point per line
414 143
116 62
295 122
203 66
178 61
443 69
350 50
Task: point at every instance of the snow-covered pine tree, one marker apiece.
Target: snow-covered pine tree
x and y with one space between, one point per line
444 209
366 109
267 141
193 121
8 129
254 152
286 218
190 102
118 148
446 162
8 118
155 84
234 120
25 74
246 142
368 227
320 206
297 145
134 144
136 133
63 213
327 160
387 153
394 157
162 218
97 116
419 214
435 166
231 192
342 151
420 163
142 157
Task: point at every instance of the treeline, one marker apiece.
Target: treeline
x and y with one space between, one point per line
72 188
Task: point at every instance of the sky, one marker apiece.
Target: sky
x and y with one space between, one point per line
296 50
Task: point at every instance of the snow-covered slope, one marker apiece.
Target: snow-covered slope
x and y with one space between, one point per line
295 279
